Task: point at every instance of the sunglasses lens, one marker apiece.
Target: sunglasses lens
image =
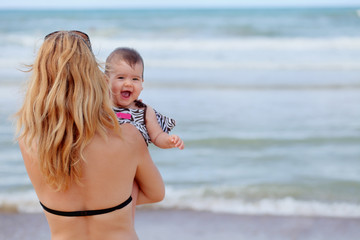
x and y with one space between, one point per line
50 34
83 35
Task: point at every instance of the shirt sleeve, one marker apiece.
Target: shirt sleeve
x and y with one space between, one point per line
166 123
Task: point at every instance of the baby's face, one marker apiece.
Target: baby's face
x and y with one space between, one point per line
126 83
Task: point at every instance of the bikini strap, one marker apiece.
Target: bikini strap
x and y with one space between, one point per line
87 212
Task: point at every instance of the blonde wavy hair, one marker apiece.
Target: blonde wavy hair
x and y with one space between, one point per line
66 103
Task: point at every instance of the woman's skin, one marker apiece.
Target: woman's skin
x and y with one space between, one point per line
109 170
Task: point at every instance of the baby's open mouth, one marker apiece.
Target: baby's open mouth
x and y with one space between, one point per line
125 94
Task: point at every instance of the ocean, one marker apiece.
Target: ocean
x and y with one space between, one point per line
266 100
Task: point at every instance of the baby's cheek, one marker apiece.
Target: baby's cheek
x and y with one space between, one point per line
115 87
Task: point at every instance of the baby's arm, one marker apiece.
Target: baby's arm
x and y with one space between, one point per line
160 138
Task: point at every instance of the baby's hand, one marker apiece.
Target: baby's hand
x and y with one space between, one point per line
177 142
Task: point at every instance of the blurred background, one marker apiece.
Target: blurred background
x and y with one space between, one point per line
266 97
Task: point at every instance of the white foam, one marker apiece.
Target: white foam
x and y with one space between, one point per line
242 53
21 201
191 199
104 43
253 65
286 206
212 53
231 44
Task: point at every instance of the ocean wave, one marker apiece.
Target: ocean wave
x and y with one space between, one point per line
260 64
242 53
289 206
291 86
283 207
105 42
264 53
25 201
233 44
201 200
229 142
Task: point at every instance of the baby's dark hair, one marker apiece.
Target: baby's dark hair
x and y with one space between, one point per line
129 55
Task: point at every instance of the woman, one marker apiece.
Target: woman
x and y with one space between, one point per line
81 163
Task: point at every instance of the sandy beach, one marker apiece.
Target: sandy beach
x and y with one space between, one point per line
190 225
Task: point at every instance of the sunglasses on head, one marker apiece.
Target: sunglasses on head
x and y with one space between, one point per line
82 35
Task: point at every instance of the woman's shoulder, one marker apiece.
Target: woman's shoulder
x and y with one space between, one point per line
129 134
127 143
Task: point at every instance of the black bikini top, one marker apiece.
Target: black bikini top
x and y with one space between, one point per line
87 212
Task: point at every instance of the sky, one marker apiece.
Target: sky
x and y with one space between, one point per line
69 4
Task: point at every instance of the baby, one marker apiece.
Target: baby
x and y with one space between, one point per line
125 70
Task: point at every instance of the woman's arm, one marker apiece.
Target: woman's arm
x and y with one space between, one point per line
149 181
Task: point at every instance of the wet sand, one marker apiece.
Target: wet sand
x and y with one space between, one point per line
191 225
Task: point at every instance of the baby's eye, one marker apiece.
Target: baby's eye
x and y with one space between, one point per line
136 79
120 77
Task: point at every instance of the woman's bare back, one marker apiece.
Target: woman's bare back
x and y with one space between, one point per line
108 174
